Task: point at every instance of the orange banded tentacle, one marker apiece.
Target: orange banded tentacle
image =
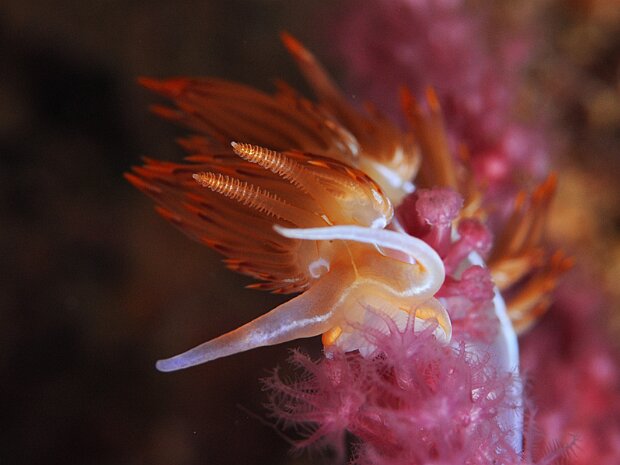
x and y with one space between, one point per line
254 197
276 162
341 194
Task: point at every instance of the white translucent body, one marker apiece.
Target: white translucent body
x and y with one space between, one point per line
359 278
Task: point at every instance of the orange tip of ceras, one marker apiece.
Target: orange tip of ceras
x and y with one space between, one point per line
169 87
141 184
331 336
293 45
432 99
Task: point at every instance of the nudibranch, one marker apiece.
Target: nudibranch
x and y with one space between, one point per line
300 195
300 203
302 223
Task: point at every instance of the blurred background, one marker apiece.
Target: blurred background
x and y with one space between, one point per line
95 286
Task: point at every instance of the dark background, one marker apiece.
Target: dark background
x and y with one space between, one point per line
95 287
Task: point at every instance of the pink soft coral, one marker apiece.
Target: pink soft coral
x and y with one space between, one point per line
468 289
473 67
575 378
414 401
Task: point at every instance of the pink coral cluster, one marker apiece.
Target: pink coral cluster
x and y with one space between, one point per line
415 401
575 377
468 289
571 365
444 44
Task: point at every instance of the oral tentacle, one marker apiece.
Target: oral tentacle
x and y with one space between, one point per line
309 314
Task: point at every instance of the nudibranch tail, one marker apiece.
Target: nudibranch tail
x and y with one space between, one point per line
307 315
428 262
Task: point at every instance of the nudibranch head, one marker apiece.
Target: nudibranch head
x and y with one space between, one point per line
397 276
